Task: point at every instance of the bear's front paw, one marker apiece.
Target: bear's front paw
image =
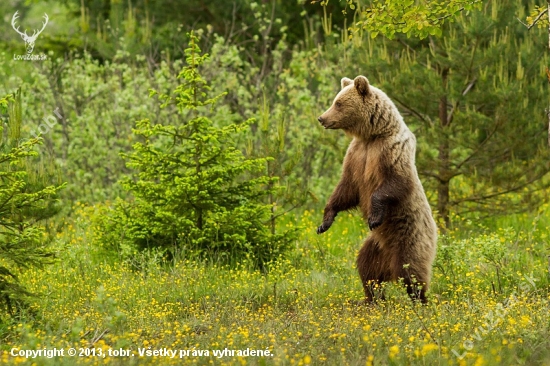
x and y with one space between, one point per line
324 227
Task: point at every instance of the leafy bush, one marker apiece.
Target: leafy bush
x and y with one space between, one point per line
194 192
97 103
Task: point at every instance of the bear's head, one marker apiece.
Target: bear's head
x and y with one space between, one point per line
357 108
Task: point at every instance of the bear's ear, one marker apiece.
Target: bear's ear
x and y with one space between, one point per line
345 82
362 85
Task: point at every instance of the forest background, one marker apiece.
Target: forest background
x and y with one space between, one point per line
161 188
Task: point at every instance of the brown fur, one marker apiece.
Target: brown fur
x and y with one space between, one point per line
379 176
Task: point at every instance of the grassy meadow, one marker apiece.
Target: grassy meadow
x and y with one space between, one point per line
163 173
489 303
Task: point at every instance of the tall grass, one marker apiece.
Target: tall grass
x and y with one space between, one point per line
303 310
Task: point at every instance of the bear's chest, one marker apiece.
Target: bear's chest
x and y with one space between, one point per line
365 163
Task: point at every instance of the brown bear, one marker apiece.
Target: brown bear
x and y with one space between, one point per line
379 175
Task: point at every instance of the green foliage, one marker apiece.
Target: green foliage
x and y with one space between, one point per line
538 16
98 104
23 203
284 85
98 100
155 28
270 139
194 191
477 111
285 102
418 18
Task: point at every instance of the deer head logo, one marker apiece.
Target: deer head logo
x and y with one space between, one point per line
29 40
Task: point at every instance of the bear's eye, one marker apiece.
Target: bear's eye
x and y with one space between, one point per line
338 104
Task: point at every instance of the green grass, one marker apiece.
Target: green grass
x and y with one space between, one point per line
303 311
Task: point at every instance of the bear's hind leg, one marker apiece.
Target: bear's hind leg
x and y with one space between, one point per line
416 290
372 270
414 280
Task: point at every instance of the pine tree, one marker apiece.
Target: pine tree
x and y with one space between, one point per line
24 201
540 17
194 191
475 100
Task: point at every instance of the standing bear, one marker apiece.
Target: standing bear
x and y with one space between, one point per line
379 175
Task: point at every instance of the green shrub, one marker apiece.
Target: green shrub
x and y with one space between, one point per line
25 199
194 193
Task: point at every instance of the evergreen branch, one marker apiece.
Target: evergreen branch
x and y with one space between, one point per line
491 209
430 174
413 111
496 194
478 147
7 200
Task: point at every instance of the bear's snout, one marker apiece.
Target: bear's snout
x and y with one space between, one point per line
323 121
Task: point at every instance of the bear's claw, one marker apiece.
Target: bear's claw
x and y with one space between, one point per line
373 224
322 228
